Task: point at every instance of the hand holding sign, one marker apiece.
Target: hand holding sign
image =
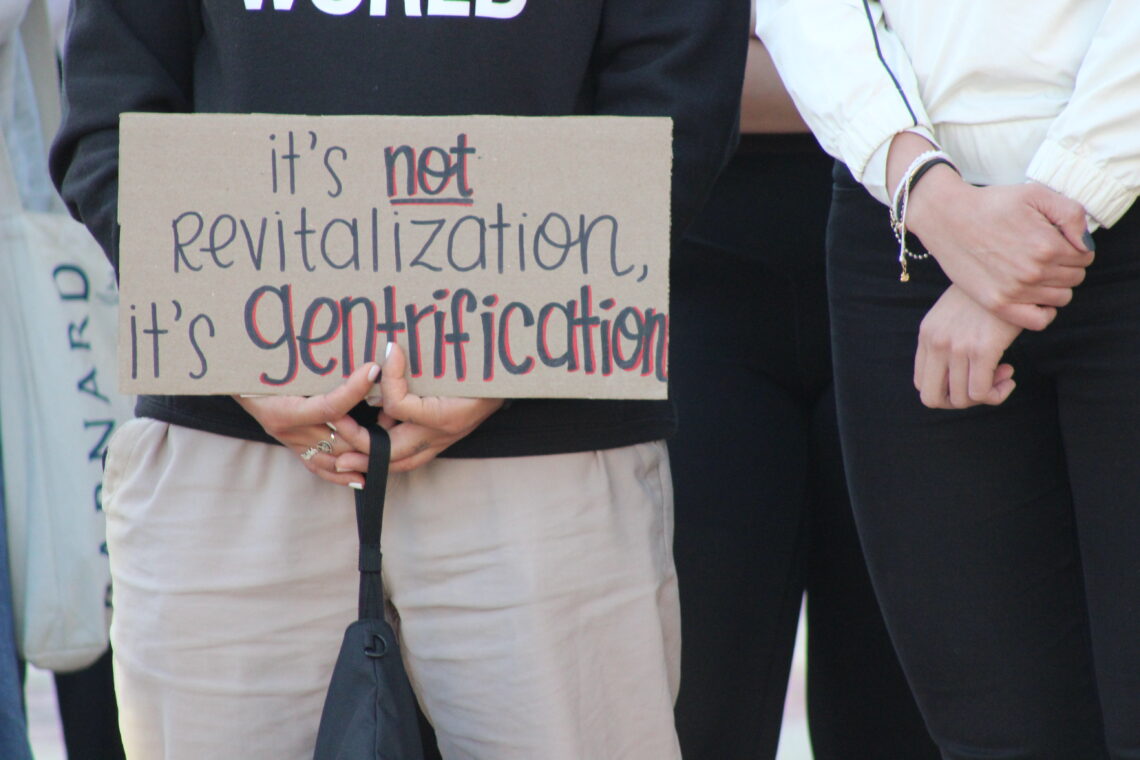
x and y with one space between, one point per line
301 422
420 427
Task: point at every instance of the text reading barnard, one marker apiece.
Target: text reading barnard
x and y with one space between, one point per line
509 256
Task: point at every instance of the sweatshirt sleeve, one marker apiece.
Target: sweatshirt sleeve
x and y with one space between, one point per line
849 77
121 55
681 59
1092 150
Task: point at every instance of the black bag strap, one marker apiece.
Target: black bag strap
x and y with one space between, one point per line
369 521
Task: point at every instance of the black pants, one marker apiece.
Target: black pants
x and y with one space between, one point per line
760 501
1004 542
88 712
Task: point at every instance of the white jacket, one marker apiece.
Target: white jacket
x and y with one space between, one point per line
1013 90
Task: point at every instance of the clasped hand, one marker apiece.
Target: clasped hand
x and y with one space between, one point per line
1014 254
960 347
420 427
1018 250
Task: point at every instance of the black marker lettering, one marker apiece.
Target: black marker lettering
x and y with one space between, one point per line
194 344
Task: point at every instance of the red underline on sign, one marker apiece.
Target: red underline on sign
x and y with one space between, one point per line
432 201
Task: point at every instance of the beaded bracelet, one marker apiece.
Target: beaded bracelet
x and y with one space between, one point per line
922 163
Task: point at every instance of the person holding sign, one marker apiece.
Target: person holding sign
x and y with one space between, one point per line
987 360
527 546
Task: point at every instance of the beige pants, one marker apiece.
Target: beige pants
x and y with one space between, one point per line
537 598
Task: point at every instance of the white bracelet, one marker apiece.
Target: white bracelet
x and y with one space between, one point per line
901 199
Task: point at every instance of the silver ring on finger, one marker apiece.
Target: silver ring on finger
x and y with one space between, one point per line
325 446
309 453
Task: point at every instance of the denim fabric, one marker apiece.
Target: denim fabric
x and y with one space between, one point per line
1002 541
13 725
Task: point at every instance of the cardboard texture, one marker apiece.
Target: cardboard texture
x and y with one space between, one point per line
510 256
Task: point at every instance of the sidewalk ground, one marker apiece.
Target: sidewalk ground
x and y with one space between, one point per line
43 717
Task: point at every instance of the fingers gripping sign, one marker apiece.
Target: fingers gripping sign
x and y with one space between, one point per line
420 426
318 428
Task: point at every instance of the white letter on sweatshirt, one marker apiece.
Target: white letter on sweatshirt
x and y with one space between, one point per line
449 8
380 8
278 5
499 8
336 7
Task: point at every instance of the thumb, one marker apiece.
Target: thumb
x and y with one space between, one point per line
393 379
336 403
1069 218
1004 385
1027 315
401 404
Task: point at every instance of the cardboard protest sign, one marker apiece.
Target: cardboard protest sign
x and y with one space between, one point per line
509 256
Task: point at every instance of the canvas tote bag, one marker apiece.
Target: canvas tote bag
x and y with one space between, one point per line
58 406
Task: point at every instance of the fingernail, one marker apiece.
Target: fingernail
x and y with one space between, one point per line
374 371
387 350
1088 241
343 469
374 399
357 486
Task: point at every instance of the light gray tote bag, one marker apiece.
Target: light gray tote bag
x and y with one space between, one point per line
58 405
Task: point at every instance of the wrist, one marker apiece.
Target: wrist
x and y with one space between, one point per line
905 147
916 170
937 189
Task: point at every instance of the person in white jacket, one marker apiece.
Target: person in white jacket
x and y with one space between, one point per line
998 515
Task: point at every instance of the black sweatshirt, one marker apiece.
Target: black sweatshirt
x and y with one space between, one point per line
678 58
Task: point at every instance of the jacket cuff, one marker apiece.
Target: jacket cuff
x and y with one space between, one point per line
874 176
1104 198
864 144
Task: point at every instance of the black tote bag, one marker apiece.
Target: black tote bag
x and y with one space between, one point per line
370 711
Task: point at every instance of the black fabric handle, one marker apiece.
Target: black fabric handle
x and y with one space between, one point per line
369 521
